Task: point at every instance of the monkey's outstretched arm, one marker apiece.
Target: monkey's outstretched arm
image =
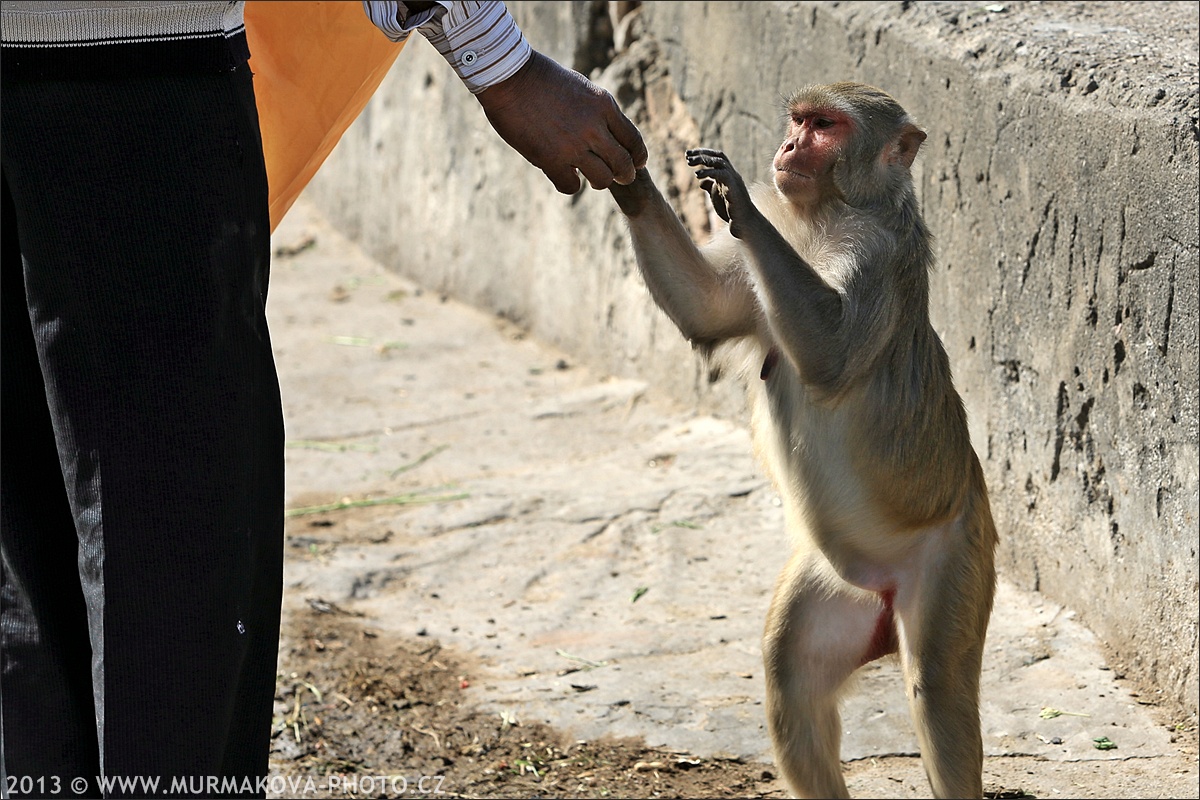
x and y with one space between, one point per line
804 313
708 301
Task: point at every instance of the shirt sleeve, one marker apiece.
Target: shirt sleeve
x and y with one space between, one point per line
394 19
478 38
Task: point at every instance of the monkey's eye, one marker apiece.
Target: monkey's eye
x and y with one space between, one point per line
823 122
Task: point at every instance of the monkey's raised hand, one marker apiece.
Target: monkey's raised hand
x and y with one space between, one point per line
724 185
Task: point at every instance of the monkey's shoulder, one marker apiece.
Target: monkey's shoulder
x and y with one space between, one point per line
832 244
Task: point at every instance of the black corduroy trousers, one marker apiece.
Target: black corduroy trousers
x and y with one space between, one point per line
141 435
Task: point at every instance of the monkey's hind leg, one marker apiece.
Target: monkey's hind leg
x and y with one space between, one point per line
819 630
941 633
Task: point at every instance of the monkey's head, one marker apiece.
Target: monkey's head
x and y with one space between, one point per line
845 141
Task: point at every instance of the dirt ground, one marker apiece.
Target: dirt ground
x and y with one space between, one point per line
390 702
508 577
352 703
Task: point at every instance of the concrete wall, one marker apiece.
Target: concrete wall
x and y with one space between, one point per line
1059 177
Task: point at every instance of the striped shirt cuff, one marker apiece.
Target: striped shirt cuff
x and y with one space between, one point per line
394 19
478 38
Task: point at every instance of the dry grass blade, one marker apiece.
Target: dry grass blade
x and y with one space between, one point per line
398 500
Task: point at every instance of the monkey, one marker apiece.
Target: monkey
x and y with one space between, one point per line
821 280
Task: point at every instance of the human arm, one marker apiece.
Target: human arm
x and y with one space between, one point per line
557 119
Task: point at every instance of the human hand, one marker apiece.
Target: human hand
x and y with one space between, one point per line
561 122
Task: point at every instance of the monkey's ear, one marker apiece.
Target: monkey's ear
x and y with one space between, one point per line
903 150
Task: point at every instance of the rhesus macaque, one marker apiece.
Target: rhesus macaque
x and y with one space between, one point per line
824 277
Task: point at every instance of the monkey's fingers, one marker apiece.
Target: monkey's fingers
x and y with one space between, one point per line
718 199
720 175
709 158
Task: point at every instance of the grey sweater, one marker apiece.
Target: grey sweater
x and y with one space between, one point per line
61 39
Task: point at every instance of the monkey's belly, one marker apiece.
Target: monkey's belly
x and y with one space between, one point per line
806 448
830 509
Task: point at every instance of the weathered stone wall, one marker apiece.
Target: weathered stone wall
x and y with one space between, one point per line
1059 177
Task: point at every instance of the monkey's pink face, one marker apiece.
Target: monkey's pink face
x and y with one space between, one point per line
805 160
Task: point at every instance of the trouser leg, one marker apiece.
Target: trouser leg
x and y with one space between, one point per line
142 211
47 714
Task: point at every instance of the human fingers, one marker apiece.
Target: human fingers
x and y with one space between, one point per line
617 159
564 177
596 169
629 138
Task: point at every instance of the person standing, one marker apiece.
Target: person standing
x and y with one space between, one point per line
141 433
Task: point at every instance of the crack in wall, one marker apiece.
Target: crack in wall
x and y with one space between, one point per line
1061 403
1037 235
1070 279
1166 338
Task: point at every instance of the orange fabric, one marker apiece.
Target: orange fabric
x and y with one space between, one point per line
315 65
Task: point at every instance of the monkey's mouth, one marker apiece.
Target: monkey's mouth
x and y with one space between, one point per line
793 172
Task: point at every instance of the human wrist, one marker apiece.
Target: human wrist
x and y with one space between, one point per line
481 42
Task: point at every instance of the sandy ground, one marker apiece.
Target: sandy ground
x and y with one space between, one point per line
509 576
